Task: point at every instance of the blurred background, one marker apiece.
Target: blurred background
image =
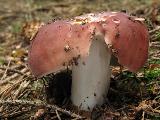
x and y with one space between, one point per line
131 96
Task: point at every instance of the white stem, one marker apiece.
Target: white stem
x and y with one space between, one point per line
90 81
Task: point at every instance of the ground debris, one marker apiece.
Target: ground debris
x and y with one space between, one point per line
131 96
40 104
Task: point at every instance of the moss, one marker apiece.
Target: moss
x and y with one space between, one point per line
152 74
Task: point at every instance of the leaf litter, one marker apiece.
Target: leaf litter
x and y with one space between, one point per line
22 96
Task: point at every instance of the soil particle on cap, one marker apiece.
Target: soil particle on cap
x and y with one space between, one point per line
83 23
75 60
131 19
110 46
117 34
104 25
59 27
114 51
67 48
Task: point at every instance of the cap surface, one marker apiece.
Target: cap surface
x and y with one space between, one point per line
62 42
128 39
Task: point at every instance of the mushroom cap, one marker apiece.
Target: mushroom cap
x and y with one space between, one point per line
61 43
58 45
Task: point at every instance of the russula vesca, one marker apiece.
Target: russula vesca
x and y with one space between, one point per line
85 44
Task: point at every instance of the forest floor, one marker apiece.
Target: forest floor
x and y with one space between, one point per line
132 96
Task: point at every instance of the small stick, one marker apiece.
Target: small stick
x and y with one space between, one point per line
6 69
12 77
11 70
59 118
38 104
154 30
14 114
143 115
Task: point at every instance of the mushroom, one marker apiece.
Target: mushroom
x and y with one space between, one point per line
85 45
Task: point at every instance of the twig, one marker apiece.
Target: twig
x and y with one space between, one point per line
11 70
6 69
14 114
59 118
143 115
154 30
6 16
7 92
21 88
38 104
11 77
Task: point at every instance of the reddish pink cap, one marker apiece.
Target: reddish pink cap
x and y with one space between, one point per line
128 39
63 42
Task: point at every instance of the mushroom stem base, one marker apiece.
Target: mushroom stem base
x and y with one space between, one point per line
91 77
